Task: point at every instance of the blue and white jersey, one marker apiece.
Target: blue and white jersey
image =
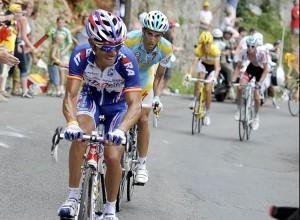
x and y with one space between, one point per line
110 85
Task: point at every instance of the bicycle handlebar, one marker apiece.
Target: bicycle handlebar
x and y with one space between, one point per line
59 135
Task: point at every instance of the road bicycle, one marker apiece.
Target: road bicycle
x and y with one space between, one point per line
199 109
92 191
293 102
246 109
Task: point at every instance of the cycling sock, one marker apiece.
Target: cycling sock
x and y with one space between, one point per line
142 161
110 208
74 193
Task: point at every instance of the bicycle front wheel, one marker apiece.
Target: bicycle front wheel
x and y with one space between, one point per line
86 210
155 121
242 123
196 118
293 102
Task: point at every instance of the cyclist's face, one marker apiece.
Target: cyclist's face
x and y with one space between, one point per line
151 39
251 48
206 47
105 58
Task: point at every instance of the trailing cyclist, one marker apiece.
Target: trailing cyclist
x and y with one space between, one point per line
109 74
258 68
208 67
153 53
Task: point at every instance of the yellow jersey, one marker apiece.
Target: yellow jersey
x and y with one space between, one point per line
208 58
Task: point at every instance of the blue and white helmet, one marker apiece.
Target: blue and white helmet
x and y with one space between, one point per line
251 41
156 21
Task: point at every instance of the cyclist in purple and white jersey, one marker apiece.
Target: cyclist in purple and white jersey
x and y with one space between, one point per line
108 73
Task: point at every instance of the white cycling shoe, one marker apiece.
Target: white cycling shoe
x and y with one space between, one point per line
206 120
255 124
237 115
69 208
142 175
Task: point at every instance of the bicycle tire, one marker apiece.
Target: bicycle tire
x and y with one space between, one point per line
249 126
195 118
242 123
130 185
292 103
101 199
155 121
86 210
120 192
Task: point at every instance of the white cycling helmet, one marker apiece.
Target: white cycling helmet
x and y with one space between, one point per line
156 21
217 33
103 26
269 46
251 41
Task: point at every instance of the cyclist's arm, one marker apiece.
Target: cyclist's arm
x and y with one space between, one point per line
160 72
237 71
194 62
133 100
217 67
70 99
265 72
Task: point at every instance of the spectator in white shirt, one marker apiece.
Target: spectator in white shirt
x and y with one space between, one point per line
205 17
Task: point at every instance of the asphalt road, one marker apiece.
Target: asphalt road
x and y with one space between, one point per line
210 176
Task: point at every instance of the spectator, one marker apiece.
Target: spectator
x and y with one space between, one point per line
21 53
231 7
7 45
170 37
205 17
79 32
295 24
65 48
54 63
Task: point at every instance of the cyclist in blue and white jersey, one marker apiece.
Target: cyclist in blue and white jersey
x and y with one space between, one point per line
108 73
153 53
258 68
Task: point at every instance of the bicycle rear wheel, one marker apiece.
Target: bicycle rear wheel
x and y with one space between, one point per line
86 210
242 123
293 102
196 118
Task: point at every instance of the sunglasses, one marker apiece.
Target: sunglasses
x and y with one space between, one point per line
250 46
109 48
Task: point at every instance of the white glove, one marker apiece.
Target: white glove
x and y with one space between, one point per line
73 131
117 137
156 101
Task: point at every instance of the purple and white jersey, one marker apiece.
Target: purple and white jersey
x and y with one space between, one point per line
261 56
110 85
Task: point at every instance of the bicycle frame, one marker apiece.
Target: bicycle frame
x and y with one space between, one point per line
246 109
199 107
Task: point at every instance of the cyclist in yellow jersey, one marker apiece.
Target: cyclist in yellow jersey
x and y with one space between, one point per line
207 59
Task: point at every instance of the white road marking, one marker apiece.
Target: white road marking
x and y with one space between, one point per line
4 145
12 134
